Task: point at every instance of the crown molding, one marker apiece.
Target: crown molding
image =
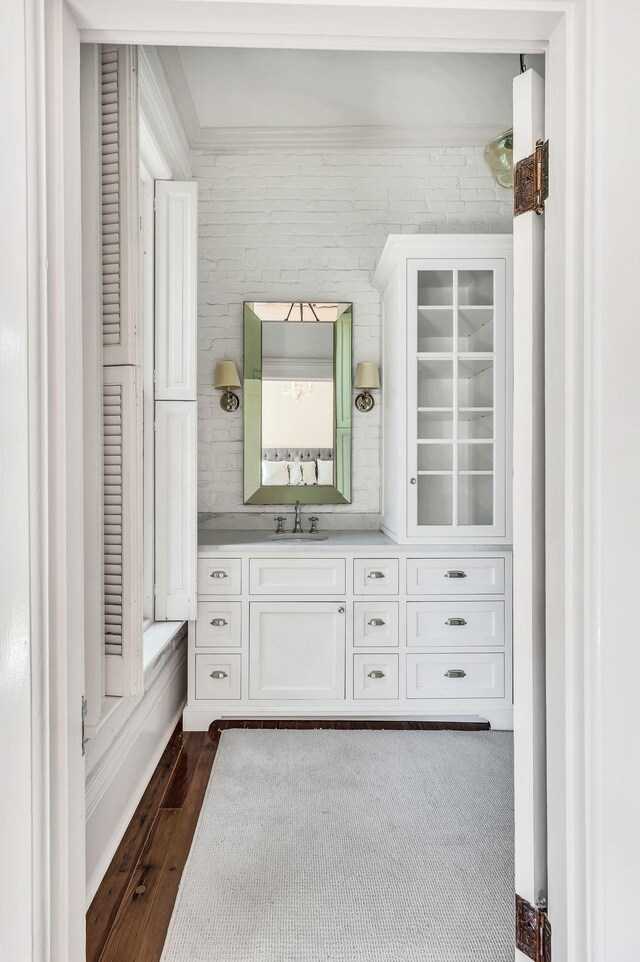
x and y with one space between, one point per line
160 118
231 140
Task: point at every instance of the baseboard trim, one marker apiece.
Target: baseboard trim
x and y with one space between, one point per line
158 713
200 719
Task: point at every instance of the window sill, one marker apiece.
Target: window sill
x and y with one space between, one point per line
155 638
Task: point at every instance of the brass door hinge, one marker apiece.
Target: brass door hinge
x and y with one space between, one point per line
533 931
531 181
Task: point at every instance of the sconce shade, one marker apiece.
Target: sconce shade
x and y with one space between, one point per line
226 375
367 377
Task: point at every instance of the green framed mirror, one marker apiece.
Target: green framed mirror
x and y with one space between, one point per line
297 402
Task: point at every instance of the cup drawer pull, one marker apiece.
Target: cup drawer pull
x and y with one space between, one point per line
219 574
376 622
456 574
455 673
376 575
219 674
376 674
219 623
455 622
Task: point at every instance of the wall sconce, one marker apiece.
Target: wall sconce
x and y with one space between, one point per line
367 380
225 378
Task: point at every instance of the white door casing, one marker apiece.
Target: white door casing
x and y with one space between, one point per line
528 514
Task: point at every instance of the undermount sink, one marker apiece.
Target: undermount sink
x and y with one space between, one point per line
296 538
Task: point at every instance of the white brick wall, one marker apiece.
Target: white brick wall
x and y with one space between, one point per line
291 226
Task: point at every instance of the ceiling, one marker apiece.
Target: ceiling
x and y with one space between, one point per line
233 97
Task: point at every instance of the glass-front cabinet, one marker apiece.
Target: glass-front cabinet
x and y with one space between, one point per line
457 394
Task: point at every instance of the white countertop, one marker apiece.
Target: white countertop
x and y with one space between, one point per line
222 539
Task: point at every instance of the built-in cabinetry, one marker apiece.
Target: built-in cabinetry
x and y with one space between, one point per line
446 304
338 629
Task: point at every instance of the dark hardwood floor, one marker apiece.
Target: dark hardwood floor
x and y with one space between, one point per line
129 916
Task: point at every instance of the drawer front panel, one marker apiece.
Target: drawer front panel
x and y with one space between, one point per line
297 576
297 650
218 676
455 624
455 675
375 577
219 577
375 623
219 624
375 676
455 576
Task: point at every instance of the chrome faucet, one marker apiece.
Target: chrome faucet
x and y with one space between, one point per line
297 528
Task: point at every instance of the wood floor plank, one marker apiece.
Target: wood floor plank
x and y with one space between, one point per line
107 901
183 771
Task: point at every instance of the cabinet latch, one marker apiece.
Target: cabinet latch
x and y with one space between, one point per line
531 181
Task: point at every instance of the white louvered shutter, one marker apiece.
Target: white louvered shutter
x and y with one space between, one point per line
122 411
121 465
176 411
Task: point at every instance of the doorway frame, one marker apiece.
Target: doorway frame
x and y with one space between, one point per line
573 383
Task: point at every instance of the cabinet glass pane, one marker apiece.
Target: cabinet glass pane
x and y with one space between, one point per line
435 287
475 457
475 383
475 287
472 424
435 424
435 384
435 457
435 499
475 330
475 499
435 330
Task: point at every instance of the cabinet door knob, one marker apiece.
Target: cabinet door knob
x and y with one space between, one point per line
219 674
376 674
455 673
456 574
376 574
219 622
340 611
412 480
455 622
376 622
219 574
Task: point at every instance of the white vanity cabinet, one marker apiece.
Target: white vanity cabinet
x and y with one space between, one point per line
447 319
354 627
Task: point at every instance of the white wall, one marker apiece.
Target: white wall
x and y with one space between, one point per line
278 226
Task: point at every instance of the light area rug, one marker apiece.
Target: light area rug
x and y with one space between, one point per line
351 846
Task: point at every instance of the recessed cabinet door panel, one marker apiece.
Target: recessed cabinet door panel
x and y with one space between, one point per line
297 650
297 576
457 624
455 675
455 576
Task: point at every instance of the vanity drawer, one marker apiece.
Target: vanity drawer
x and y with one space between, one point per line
455 576
375 676
457 624
219 624
375 623
297 576
455 675
219 577
218 676
375 577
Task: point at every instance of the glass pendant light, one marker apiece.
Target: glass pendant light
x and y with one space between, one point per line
499 156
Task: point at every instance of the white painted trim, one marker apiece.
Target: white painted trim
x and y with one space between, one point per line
117 783
440 245
159 117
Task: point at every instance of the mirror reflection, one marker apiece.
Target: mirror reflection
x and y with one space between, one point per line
304 357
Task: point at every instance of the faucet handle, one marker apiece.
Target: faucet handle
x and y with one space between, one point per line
280 520
314 524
